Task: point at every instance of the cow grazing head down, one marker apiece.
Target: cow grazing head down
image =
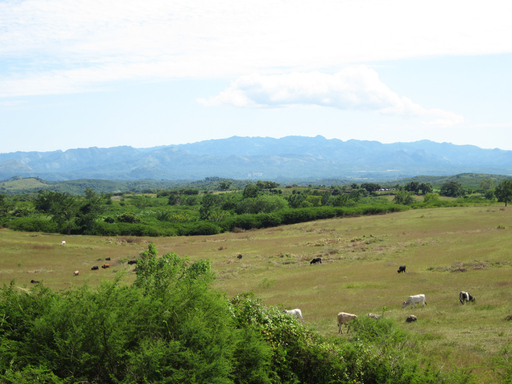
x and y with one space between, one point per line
316 260
465 296
401 269
75 273
413 300
239 256
294 312
105 266
411 318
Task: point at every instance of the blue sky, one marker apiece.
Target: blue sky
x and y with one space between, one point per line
85 73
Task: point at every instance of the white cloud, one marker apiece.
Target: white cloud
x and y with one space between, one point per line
353 88
161 39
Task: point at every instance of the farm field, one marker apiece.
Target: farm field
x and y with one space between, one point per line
446 250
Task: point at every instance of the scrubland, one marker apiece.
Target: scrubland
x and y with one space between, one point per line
446 250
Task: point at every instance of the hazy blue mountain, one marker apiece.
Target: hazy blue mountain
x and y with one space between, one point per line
260 158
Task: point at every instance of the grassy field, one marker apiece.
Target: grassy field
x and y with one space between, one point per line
446 250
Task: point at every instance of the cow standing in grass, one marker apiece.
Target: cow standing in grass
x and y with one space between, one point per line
345 318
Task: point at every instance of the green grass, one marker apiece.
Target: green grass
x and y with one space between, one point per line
446 250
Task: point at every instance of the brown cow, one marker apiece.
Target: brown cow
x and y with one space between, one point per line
105 266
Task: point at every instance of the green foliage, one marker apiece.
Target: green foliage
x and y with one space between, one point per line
452 189
431 197
403 198
263 203
504 191
128 217
250 191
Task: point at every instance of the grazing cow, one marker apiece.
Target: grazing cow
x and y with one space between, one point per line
401 269
345 318
239 256
413 300
63 243
104 266
132 262
465 296
34 281
75 273
295 312
108 259
373 316
411 318
94 268
316 260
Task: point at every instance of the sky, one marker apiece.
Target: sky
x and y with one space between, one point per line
95 73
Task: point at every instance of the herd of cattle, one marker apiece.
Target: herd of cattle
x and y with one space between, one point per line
344 318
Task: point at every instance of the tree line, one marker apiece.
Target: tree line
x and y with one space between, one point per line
190 211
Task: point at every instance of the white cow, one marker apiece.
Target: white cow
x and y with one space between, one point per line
295 312
76 273
344 318
63 243
413 300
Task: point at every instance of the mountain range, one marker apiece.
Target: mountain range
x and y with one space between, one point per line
259 158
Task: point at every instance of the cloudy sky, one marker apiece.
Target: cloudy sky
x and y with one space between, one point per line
85 73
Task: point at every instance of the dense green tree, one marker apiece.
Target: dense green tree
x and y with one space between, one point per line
503 191
5 205
426 188
224 185
250 191
90 210
371 187
403 198
412 186
62 207
452 189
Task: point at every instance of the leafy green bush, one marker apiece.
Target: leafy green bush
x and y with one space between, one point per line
33 224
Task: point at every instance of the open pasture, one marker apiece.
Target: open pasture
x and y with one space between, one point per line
446 250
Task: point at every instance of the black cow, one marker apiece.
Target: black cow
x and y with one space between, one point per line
316 260
132 262
94 268
239 257
401 269
108 258
465 296
34 281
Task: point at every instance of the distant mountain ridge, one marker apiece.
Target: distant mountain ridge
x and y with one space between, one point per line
259 158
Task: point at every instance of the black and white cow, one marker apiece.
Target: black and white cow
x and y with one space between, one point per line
401 269
465 296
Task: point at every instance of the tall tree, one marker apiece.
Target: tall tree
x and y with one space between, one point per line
62 207
504 191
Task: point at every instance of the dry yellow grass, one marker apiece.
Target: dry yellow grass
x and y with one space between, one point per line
446 250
